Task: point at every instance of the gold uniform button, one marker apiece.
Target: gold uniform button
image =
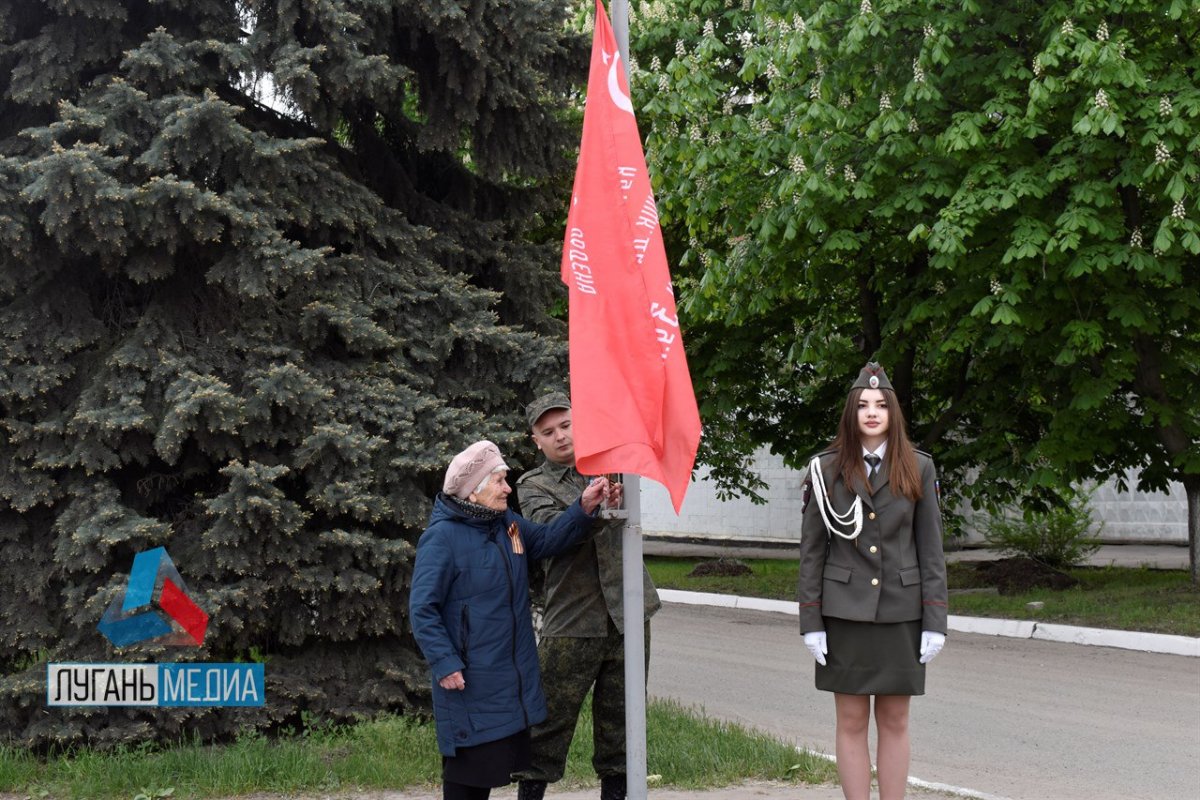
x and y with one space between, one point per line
874 581
871 515
874 549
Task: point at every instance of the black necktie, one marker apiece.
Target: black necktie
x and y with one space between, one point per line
873 460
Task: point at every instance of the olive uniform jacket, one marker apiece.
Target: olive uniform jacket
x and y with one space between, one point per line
895 571
583 583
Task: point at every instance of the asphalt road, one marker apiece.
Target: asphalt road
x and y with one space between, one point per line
1007 718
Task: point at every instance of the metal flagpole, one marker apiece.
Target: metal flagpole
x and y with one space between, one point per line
631 559
635 644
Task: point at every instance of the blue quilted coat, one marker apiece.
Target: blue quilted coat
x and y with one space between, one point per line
469 608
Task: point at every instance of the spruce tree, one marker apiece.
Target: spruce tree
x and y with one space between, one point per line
264 268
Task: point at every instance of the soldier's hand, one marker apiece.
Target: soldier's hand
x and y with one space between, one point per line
593 494
616 493
453 682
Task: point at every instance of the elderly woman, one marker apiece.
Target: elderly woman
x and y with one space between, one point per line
469 607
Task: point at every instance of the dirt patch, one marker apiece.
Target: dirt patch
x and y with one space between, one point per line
720 568
1020 574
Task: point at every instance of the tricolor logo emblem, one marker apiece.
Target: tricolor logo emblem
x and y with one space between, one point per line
155 607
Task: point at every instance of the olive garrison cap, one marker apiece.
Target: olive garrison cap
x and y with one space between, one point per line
872 376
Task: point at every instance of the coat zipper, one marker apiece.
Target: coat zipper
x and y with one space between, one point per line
466 634
512 610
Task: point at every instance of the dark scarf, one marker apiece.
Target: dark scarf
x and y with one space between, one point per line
470 509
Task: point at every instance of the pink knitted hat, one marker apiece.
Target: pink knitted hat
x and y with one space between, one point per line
470 467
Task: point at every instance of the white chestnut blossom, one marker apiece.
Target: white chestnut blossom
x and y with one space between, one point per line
1102 32
1135 239
1178 212
1101 99
1161 153
1164 106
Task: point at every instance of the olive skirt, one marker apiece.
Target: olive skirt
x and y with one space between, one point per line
489 764
872 658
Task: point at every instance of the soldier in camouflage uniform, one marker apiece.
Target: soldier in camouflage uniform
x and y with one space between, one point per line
583 640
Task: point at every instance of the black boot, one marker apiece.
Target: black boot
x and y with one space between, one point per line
531 790
612 787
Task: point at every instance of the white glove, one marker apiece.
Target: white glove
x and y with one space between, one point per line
931 644
816 644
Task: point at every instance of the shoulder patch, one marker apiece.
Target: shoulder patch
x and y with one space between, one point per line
806 493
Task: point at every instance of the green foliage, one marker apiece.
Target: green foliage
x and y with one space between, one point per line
254 328
1061 536
1151 600
685 747
999 201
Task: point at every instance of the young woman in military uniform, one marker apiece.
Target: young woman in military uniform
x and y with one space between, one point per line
872 581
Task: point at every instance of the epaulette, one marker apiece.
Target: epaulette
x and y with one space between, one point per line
923 453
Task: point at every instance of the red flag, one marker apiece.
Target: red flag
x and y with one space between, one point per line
633 406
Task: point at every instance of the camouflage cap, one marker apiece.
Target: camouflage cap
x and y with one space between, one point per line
534 411
872 376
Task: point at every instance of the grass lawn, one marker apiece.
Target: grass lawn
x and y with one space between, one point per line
1161 601
685 748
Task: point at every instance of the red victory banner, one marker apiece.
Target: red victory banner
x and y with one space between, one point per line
633 405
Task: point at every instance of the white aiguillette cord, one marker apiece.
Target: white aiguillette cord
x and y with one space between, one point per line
853 517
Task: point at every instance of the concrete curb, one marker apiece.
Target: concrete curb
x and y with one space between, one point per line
1017 629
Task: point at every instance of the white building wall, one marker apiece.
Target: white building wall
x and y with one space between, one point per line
1142 516
1127 516
705 516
